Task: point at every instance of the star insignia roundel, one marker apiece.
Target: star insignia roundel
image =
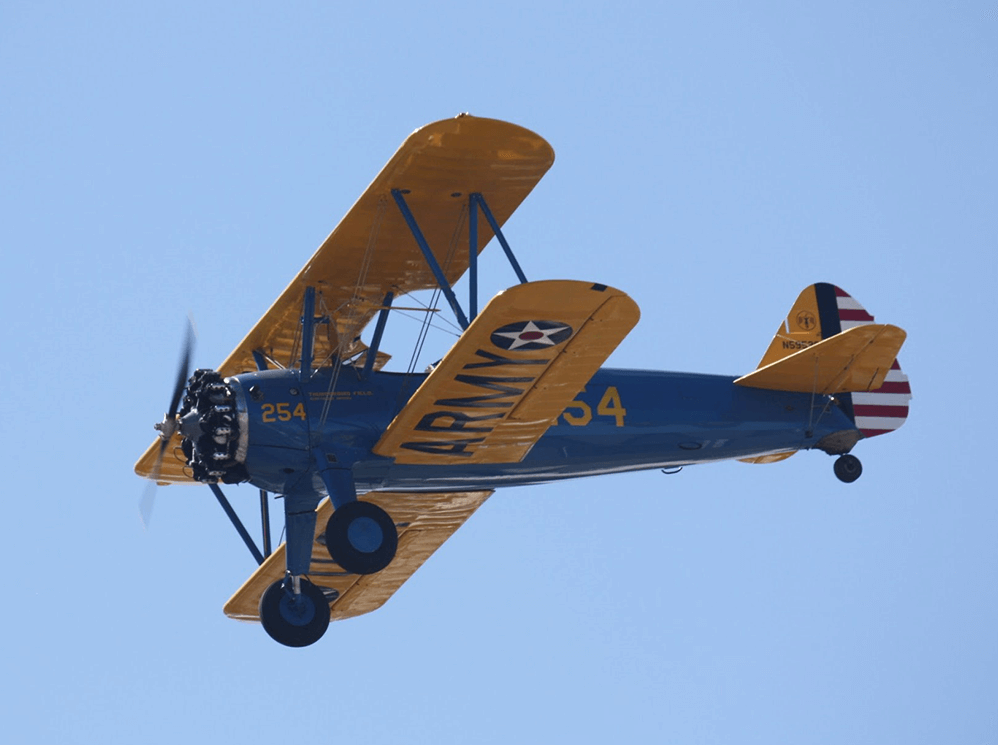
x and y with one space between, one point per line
528 335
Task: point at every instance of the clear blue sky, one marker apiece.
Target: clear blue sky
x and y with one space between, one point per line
712 160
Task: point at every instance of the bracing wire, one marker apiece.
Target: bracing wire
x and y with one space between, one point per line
427 321
353 310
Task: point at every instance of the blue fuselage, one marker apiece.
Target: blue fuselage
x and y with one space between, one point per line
624 420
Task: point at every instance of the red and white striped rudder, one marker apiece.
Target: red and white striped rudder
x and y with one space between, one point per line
885 409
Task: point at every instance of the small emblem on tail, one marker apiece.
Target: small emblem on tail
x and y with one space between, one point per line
806 320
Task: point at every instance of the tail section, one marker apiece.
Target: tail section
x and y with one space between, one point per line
823 311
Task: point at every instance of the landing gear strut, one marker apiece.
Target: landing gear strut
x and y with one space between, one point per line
294 619
361 537
848 468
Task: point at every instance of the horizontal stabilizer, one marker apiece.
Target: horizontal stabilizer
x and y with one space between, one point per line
857 359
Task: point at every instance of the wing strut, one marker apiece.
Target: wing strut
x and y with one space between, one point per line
431 260
472 258
475 202
379 330
265 523
307 329
237 523
502 239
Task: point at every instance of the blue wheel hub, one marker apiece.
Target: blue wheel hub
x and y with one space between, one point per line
365 535
297 610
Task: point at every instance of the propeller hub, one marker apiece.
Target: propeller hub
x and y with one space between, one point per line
166 428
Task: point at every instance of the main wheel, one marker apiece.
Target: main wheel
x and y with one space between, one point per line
294 620
848 468
361 537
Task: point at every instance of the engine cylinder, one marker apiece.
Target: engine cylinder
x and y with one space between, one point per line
211 426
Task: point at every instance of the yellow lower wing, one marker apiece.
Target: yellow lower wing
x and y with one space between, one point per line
855 360
510 375
424 522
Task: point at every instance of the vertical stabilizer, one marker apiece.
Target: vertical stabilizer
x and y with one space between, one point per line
822 311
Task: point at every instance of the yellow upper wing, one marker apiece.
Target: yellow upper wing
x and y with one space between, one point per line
510 375
372 251
424 522
856 359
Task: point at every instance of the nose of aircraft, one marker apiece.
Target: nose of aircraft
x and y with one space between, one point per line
211 424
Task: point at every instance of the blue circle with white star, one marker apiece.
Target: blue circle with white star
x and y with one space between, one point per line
526 336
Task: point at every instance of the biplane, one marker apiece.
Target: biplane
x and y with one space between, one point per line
376 469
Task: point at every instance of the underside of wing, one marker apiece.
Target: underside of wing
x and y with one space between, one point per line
510 375
857 359
424 522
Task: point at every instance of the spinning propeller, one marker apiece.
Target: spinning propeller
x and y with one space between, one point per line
169 425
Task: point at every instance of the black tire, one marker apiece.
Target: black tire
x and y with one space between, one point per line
361 537
294 622
848 468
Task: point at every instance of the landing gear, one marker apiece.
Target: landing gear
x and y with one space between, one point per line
848 468
361 537
294 620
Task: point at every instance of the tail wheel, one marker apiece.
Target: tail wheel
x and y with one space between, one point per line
294 620
848 468
361 537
